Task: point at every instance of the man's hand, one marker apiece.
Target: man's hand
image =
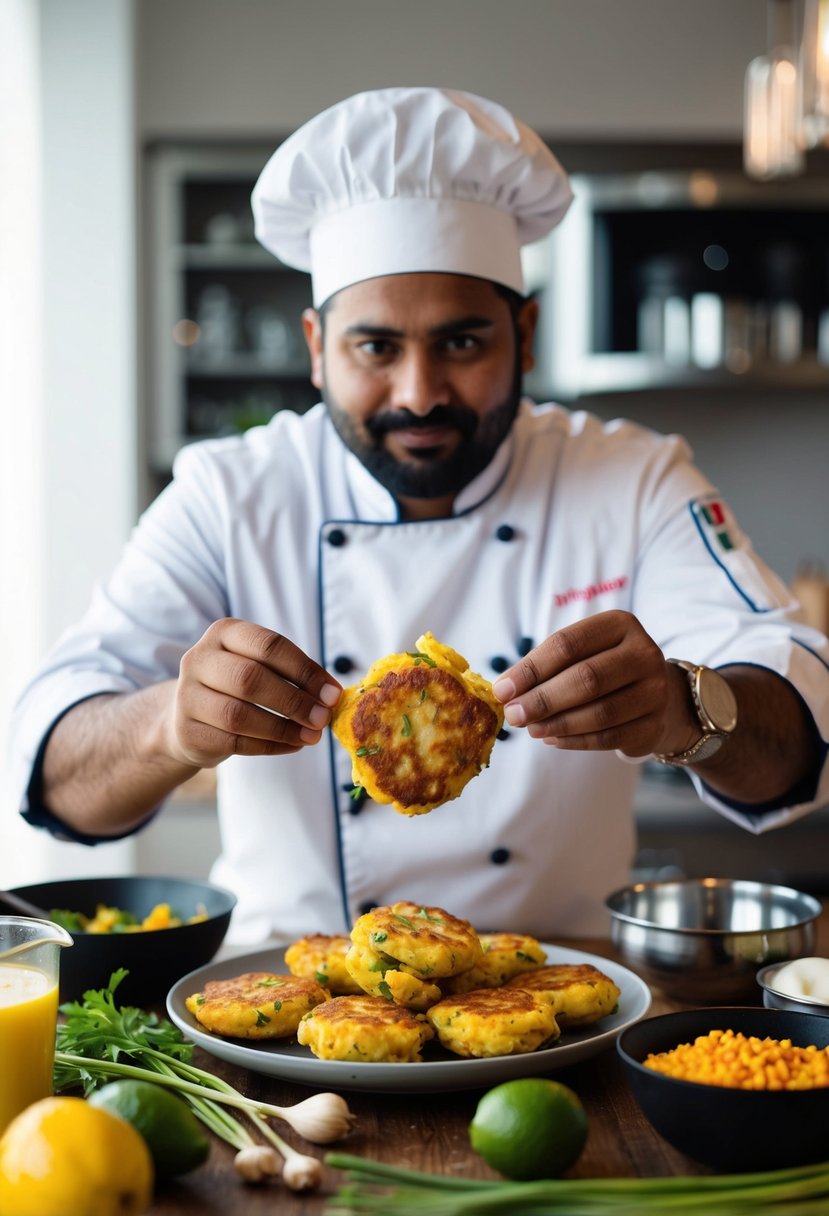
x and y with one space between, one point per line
601 684
247 691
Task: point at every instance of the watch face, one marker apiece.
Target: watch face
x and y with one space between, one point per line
717 701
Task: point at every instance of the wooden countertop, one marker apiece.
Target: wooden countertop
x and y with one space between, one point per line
429 1131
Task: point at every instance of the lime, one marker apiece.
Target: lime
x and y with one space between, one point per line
529 1128
174 1135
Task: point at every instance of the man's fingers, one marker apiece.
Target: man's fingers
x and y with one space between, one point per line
585 684
561 651
277 654
636 738
218 726
245 681
611 713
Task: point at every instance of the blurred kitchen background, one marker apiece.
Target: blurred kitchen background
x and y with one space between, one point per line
137 313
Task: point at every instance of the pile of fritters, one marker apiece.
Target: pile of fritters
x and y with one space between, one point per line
418 727
407 974
428 973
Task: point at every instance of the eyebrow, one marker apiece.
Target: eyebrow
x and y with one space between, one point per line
457 325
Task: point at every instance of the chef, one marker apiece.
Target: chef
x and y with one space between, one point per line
589 570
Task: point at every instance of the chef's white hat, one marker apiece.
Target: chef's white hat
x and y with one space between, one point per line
408 179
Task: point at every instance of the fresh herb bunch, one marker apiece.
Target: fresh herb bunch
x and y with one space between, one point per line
801 1191
99 1042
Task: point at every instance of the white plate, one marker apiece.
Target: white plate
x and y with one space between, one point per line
439 1070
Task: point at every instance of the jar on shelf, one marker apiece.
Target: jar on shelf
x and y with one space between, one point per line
217 316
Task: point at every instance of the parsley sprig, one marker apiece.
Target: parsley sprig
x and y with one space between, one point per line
99 1042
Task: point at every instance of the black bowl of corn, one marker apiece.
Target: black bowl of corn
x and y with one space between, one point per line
736 1088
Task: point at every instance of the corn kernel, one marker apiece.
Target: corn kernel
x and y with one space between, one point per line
738 1062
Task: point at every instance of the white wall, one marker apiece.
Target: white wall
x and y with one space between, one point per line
599 68
73 416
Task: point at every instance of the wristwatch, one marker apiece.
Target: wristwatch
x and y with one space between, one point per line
715 707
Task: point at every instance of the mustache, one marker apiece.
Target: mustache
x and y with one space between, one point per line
463 419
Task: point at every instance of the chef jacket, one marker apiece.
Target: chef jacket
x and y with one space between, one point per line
284 527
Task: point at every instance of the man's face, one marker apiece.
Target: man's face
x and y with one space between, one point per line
421 374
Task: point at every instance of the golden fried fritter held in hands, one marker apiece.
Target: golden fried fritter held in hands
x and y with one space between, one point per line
419 727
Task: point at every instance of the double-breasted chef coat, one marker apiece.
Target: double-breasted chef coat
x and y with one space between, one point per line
284 527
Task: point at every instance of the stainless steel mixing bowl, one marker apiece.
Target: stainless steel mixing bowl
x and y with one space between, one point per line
702 940
773 998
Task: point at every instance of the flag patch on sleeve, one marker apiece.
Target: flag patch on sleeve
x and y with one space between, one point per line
714 518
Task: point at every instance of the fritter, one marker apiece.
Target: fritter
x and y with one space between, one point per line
505 955
256 1005
365 1028
321 957
418 727
401 950
494 1022
578 992
429 942
382 976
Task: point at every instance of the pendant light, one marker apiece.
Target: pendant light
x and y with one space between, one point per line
814 74
771 135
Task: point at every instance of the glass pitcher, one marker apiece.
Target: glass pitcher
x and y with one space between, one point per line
29 968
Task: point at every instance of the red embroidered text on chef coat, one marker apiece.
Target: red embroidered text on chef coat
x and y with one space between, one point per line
590 593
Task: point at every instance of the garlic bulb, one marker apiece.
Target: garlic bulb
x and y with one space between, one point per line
257 1162
320 1118
301 1173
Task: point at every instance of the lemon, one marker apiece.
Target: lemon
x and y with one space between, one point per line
63 1157
529 1128
175 1137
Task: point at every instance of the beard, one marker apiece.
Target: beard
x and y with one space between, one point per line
427 474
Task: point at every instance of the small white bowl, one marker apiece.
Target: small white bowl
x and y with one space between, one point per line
773 999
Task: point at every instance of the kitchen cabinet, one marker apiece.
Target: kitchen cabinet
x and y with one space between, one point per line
224 338
684 279
660 278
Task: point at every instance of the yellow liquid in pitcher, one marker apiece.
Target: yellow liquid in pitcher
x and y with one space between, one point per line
28 1017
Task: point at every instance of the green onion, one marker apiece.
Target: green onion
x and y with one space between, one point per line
407 726
96 1038
802 1190
419 658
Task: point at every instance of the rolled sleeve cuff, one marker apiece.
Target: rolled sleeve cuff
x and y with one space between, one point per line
34 809
809 678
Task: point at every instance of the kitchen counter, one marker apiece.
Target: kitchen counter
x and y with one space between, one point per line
429 1132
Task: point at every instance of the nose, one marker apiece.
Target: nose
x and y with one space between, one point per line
419 383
